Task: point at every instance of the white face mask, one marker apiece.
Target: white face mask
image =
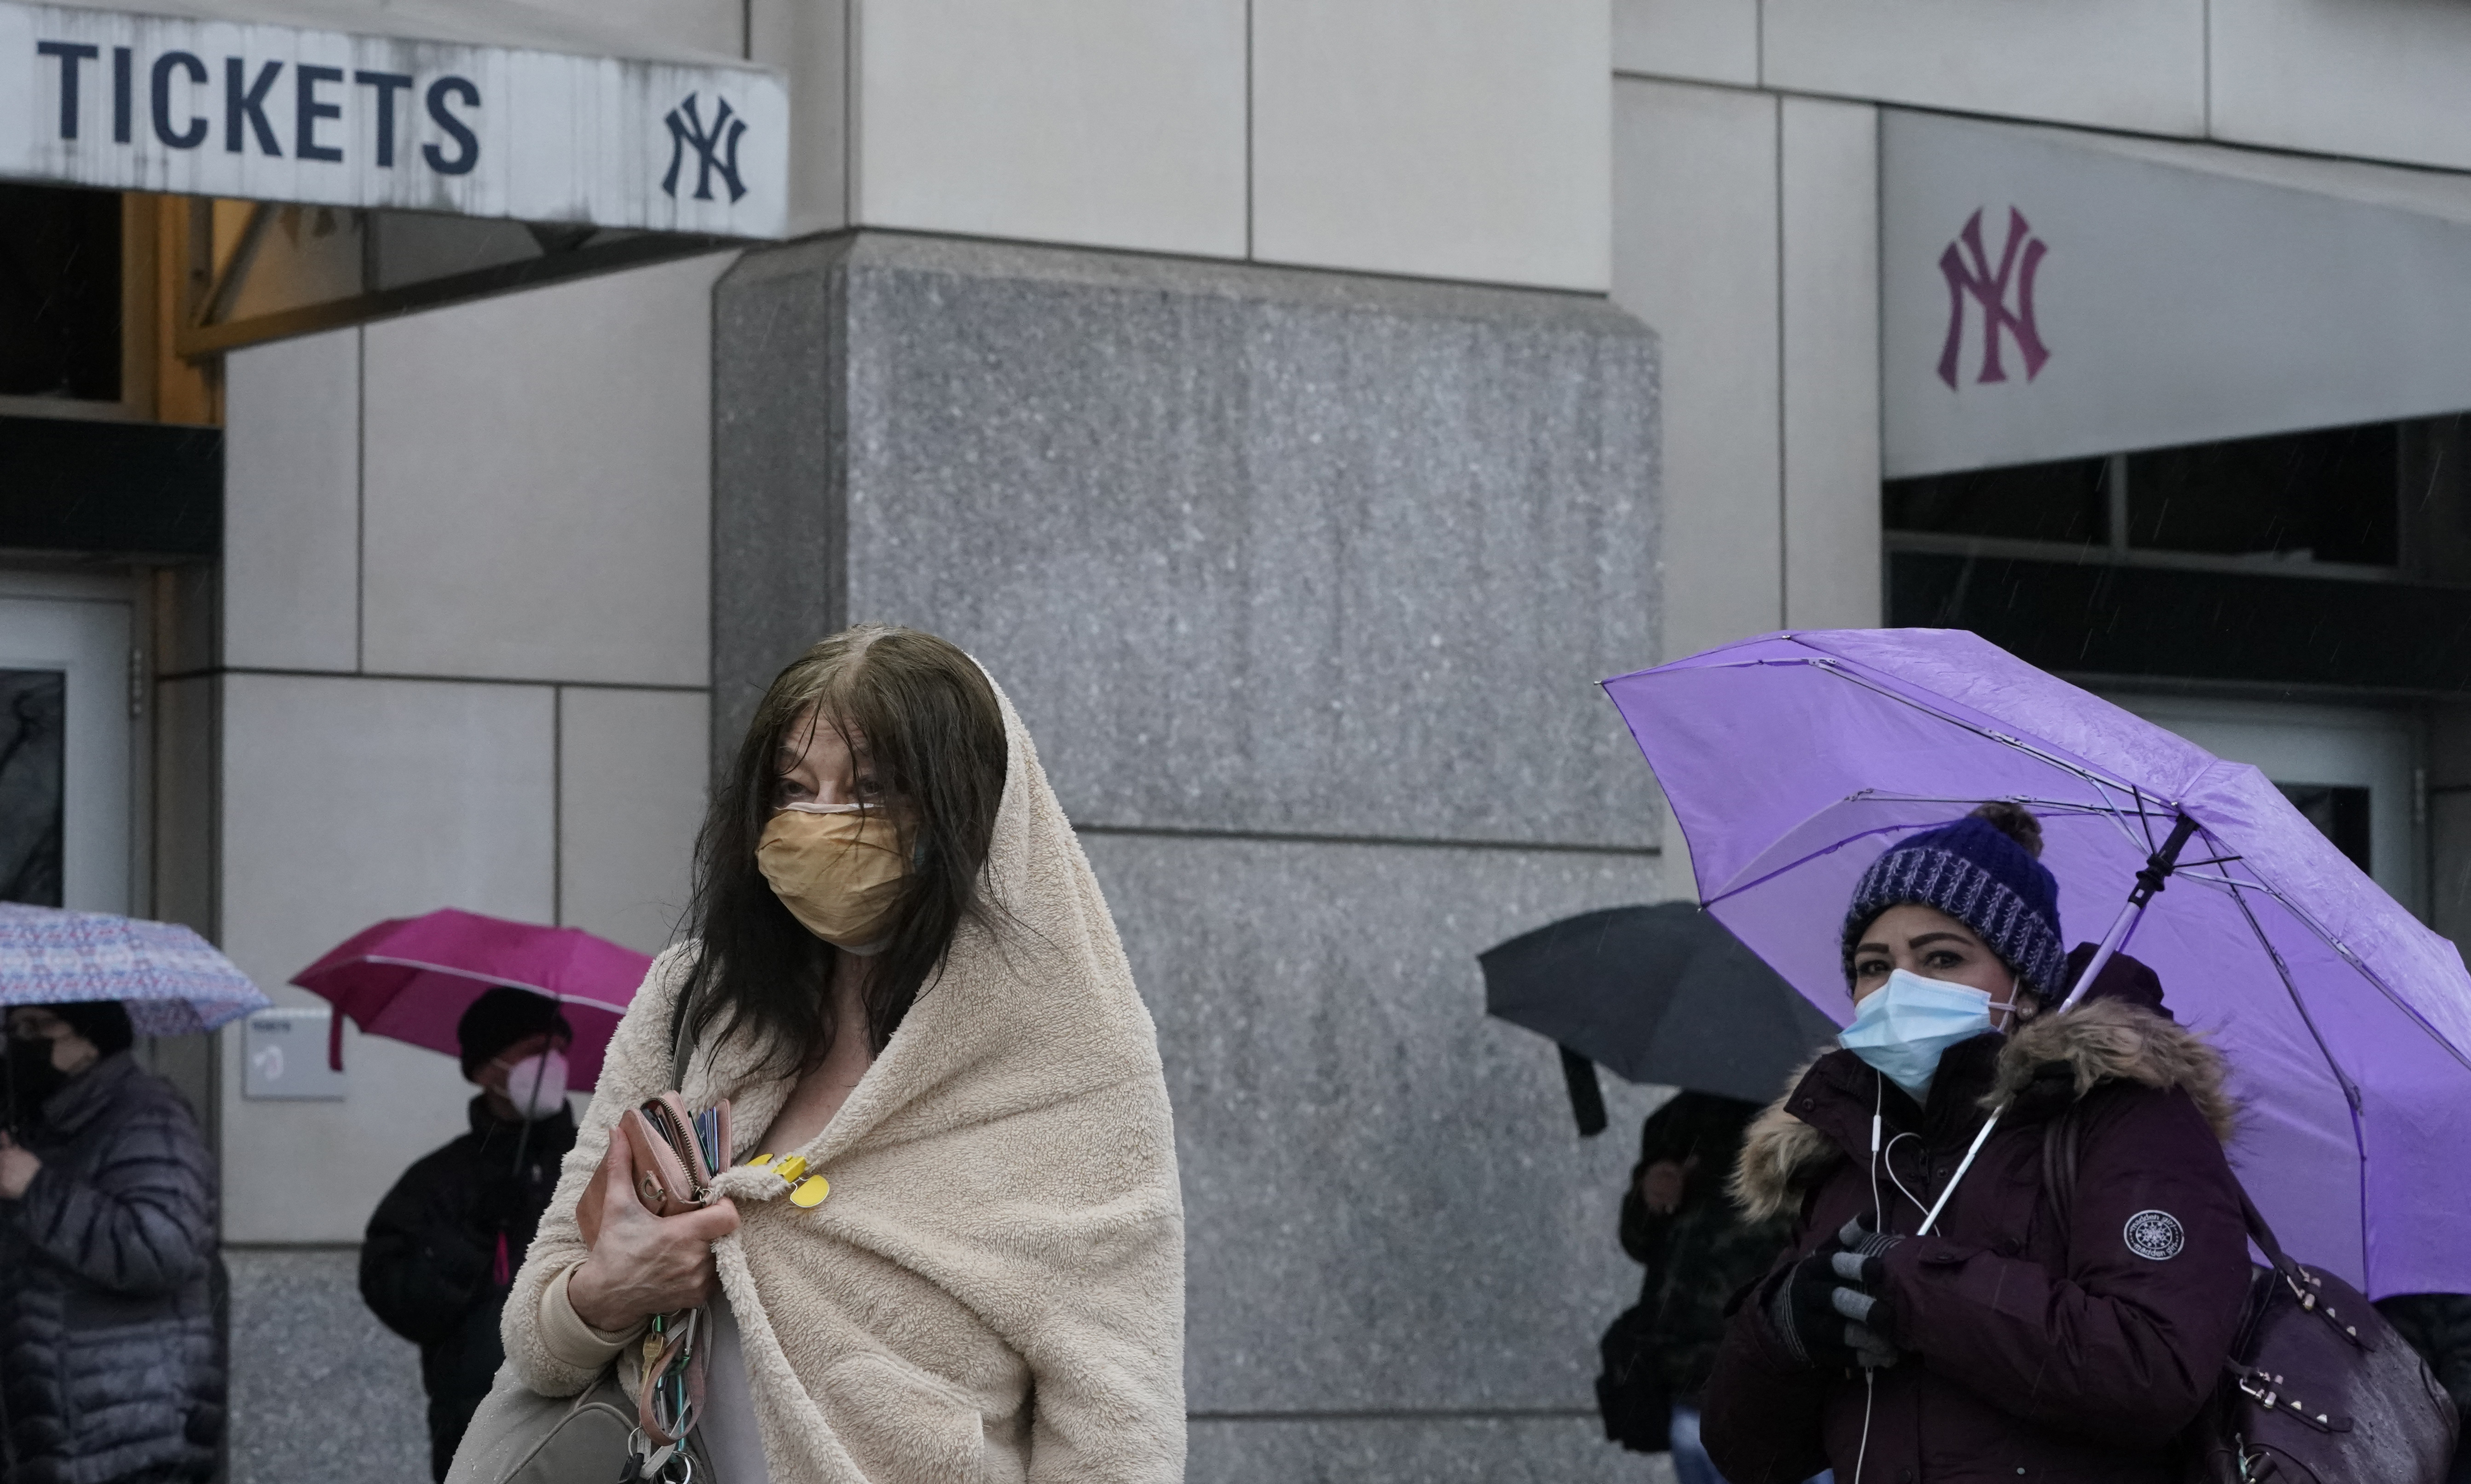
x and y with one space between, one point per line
1902 1026
537 1086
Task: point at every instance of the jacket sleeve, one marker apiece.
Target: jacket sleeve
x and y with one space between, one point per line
1760 1418
143 1223
419 1269
2128 1342
635 1067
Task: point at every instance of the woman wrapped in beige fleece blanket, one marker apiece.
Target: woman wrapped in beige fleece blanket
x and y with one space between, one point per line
993 1288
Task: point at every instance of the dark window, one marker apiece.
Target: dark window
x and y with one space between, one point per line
81 484
2270 627
59 293
32 724
2062 501
2325 497
2340 813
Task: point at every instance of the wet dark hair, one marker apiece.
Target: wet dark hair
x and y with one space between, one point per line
927 718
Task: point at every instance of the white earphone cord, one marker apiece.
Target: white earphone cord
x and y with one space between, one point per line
1879 1217
1878 1223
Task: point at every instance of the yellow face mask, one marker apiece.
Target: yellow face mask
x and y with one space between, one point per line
838 868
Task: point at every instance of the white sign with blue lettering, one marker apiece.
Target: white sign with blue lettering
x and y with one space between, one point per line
199 105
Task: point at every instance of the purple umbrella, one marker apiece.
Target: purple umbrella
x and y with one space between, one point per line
1793 761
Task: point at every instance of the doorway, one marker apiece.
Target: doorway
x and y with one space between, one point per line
2354 772
65 751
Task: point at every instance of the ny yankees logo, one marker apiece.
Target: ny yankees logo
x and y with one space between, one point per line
715 149
1989 289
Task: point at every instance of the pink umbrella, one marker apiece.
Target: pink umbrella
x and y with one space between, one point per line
412 977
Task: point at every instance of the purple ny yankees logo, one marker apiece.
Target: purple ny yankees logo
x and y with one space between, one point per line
1989 289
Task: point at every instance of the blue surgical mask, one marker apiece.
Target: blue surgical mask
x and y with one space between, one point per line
1902 1026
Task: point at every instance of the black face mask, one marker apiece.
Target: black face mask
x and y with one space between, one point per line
32 1082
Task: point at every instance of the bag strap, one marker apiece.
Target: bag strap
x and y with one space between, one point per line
2059 1166
2059 1159
682 1036
2258 1232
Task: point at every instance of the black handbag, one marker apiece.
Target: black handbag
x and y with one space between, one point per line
1631 1394
2317 1387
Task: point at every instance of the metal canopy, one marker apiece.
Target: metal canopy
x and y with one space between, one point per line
472 108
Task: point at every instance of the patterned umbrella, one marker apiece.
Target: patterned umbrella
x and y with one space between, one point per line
174 982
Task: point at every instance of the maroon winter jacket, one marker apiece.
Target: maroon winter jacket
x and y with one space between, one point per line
2033 1355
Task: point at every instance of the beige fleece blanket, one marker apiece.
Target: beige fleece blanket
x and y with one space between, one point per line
994 1288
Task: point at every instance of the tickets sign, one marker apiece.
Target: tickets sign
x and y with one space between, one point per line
267 112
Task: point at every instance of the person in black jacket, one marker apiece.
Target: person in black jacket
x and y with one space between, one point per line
111 1362
1698 1248
445 1243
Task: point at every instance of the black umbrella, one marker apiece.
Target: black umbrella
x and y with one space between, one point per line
1661 995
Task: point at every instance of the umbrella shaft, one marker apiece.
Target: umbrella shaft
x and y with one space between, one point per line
2111 942
2148 884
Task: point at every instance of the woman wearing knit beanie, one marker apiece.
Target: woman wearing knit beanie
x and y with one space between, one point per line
2067 1313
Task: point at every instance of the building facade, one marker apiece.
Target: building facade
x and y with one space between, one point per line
1298 406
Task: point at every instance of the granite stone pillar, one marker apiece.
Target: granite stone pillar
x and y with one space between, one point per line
1303 581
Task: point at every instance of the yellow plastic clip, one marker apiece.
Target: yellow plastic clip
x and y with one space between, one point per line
790 1168
760 1159
811 1191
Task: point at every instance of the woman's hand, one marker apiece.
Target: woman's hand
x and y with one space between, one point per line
18 1168
642 1263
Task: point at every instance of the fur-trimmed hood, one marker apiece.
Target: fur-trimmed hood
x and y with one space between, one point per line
2049 1063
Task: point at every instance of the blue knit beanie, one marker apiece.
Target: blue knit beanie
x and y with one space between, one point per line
1982 871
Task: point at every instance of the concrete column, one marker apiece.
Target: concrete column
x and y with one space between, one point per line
1303 581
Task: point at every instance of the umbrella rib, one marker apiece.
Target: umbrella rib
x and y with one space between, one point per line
2350 1089
2081 770
1828 664
2069 806
1800 861
2055 805
2409 1010
2282 970
485 979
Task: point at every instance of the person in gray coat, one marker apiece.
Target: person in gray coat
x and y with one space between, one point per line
108 1273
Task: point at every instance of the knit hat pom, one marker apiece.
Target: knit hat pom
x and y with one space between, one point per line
2015 822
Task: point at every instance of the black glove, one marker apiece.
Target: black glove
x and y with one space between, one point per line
1860 1265
1825 1311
